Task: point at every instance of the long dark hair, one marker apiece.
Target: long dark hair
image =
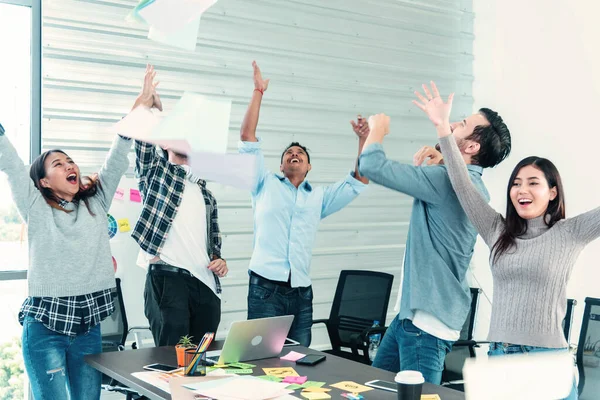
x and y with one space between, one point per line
514 225
37 172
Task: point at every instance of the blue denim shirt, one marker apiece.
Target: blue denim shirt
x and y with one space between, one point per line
286 219
440 240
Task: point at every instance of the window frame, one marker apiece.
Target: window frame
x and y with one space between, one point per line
36 97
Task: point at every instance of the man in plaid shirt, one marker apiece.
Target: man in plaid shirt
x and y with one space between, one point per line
178 233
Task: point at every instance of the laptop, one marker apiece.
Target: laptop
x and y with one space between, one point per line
253 340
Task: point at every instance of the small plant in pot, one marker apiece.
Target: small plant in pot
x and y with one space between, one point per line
185 342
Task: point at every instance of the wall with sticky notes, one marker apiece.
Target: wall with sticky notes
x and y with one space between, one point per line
326 65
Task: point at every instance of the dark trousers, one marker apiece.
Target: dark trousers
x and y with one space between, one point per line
267 298
178 305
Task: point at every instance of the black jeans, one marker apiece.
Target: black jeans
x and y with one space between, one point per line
177 305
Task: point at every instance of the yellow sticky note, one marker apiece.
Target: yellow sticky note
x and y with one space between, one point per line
315 395
430 397
280 372
124 225
316 389
352 387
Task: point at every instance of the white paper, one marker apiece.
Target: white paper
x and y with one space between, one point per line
196 123
237 170
157 379
202 121
519 377
184 38
169 16
244 388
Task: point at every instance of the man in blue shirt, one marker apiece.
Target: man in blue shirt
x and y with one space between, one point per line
287 212
435 294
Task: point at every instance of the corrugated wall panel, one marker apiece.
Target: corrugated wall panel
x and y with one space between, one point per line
327 60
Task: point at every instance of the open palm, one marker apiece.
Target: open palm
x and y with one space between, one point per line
435 108
259 83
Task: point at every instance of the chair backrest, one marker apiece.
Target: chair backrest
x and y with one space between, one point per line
455 360
114 328
568 321
588 351
361 297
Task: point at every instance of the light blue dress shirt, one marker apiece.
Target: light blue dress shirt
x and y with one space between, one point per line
286 219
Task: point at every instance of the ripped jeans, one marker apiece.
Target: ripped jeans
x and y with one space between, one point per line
55 365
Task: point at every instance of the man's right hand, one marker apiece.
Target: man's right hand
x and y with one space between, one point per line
148 97
259 83
379 125
427 152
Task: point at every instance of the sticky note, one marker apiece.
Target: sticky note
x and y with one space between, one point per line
242 365
124 225
119 194
281 372
238 371
316 389
270 378
299 380
315 395
292 356
312 384
430 397
352 387
134 195
293 386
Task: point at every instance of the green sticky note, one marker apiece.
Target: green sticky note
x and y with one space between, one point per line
308 384
293 386
242 365
238 371
270 378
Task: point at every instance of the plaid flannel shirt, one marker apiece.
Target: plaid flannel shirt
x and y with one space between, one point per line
161 185
73 315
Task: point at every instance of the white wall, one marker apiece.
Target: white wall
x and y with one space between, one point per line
536 62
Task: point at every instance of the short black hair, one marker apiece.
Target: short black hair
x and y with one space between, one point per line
494 140
295 144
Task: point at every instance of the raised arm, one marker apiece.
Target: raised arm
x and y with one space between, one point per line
485 219
248 130
586 226
23 191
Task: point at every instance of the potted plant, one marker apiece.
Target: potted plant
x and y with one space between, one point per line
185 342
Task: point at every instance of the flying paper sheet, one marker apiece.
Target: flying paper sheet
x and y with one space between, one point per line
519 377
134 16
195 123
184 38
169 16
237 170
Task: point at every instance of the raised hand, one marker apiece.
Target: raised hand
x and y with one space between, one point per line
360 127
148 97
427 152
435 108
259 83
379 124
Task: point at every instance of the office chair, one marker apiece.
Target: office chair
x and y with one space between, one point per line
588 351
361 297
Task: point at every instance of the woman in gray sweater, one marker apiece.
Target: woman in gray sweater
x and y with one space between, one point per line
70 272
533 248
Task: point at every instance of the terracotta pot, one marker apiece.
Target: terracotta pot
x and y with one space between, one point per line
181 354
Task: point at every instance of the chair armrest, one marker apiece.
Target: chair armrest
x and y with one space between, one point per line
320 321
138 328
468 343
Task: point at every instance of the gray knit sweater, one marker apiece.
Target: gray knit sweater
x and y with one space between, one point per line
530 280
69 253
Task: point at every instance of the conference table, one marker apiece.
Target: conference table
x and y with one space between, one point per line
120 365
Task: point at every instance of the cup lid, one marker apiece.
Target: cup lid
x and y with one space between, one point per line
410 378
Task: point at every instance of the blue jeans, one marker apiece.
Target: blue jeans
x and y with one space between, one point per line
406 347
55 365
274 302
501 349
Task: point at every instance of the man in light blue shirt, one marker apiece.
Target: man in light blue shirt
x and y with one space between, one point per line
439 246
287 212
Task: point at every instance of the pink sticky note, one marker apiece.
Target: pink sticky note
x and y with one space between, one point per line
134 195
293 356
119 194
299 380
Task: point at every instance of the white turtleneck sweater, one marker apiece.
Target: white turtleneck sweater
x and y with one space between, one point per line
530 279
